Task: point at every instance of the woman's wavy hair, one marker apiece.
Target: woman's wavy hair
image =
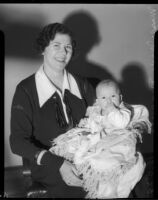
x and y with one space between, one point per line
48 33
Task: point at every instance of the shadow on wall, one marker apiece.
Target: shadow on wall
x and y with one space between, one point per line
135 90
20 35
86 32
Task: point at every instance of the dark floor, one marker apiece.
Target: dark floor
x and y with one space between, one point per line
14 182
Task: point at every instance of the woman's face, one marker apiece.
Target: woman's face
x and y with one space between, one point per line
59 51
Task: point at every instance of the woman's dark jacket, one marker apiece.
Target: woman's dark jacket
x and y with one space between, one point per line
34 127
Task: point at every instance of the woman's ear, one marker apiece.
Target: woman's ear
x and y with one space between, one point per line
121 97
43 52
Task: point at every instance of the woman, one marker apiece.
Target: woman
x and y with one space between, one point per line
47 104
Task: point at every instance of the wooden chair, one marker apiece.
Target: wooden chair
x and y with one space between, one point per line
34 189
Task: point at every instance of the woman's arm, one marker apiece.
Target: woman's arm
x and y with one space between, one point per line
21 125
22 130
140 120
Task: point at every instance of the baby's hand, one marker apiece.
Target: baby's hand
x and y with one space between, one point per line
109 106
82 122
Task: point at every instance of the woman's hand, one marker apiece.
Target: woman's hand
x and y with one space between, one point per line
141 127
69 174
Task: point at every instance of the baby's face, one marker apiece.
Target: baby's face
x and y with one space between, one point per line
106 94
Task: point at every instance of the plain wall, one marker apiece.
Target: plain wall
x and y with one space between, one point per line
113 42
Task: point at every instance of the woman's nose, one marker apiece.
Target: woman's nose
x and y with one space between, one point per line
63 50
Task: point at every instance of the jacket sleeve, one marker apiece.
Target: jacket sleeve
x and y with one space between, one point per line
21 125
22 128
119 118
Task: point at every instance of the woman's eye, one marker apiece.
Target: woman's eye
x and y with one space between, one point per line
56 45
103 97
113 95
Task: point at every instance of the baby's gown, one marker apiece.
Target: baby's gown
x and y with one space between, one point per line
109 165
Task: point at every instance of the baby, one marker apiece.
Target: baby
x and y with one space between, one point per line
110 113
103 146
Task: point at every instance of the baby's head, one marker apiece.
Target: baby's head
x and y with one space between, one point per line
108 90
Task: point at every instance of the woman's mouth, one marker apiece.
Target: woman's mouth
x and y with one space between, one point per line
60 59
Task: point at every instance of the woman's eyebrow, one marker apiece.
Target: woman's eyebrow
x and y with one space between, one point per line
61 43
55 42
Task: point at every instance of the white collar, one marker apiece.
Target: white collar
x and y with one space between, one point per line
45 89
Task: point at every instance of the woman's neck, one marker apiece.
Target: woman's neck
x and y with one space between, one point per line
55 76
53 73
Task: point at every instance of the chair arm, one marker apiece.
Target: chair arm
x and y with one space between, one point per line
144 188
37 190
148 175
33 188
